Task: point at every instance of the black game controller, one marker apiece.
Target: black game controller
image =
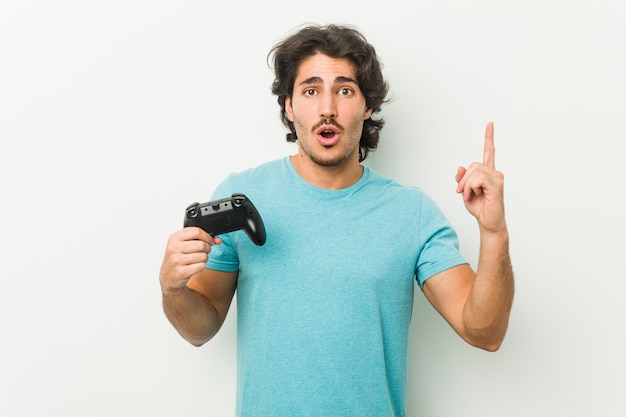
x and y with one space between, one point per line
227 215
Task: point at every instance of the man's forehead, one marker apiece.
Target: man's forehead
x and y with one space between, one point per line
320 68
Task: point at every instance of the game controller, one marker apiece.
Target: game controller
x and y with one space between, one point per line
227 215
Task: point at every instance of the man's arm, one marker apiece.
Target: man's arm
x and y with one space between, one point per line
195 299
478 305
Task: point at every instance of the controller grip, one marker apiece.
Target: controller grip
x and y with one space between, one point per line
255 229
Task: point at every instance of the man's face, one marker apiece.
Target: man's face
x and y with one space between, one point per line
327 109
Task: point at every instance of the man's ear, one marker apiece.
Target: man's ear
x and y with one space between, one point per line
368 113
288 109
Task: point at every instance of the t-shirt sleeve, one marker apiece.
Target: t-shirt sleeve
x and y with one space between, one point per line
439 243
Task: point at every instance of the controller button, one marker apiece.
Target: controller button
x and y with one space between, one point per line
238 201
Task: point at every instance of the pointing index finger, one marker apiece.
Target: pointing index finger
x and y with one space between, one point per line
489 151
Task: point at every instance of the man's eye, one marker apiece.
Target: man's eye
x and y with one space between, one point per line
309 92
345 91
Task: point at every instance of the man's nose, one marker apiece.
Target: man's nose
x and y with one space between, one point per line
328 109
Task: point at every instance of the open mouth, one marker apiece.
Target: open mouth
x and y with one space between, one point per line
327 131
327 134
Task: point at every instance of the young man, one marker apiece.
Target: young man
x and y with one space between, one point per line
324 306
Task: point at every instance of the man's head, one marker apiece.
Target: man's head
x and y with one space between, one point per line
336 42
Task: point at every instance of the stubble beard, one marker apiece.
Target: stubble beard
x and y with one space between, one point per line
338 159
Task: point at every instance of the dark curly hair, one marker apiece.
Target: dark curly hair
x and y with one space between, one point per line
336 42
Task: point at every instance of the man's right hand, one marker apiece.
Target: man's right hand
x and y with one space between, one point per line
186 254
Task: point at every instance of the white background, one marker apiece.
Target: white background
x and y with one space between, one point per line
115 115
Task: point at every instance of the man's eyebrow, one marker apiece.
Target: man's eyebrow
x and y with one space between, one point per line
342 79
318 80
311 80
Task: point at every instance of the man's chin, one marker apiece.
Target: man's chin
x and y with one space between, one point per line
330 161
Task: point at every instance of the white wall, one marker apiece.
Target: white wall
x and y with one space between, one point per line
115 115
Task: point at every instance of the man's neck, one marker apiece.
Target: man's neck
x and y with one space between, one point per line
331 178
